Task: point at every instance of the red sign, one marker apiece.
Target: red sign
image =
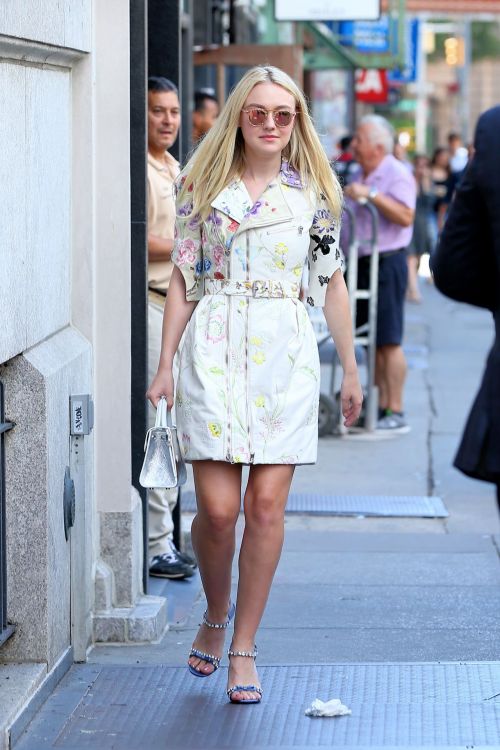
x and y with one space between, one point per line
371 86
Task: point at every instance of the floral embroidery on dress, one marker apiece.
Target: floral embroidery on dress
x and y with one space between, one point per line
323 229
186 250
194 223
290 176
218 255
242 257
214 218
248 380
255 209
280 253
259 357
216 332
215 429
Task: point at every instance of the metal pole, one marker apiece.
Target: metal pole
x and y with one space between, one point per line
6 630
372 391
421 113
138 258
465 82
352 285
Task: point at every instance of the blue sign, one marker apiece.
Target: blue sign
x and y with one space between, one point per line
372 36
408 73
366 36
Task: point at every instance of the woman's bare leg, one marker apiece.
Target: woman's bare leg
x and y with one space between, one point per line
218 494
265 501
413 292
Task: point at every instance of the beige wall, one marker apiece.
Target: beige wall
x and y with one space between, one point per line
111 317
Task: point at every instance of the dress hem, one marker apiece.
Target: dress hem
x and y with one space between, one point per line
253 463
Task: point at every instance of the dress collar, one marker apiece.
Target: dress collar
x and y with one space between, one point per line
290 176
234 200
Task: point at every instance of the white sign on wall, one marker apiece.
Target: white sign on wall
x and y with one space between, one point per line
326 10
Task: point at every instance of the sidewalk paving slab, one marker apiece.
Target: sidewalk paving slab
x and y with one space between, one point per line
393 705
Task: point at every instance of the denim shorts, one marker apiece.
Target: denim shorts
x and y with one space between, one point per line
392 281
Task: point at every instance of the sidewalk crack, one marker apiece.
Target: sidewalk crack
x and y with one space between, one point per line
431 478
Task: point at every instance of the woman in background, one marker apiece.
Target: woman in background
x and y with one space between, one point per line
421 242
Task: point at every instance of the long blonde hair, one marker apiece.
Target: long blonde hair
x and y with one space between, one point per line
220 157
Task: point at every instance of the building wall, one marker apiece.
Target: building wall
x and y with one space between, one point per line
445 96
43 358
65 312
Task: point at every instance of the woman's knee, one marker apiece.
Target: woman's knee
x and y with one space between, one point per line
220 520
264 509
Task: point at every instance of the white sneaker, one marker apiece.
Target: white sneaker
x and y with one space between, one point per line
393 424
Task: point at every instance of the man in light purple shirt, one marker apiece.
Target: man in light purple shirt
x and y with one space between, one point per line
391 189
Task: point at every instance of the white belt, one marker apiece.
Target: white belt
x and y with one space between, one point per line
260 288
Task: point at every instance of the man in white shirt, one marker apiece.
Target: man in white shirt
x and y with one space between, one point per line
164 119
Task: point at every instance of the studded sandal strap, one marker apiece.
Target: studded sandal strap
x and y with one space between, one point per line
244 689
250 654
219 625
211 658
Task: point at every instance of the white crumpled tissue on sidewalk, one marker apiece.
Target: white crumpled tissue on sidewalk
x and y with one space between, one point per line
332 707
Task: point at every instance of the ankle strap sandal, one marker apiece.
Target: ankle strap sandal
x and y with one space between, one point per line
219 625
210 658
244 688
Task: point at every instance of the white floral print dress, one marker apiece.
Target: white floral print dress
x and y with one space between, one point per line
248 383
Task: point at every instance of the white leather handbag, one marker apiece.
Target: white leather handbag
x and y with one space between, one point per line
163 466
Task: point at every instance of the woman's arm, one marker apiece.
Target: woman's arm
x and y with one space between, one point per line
338 318
175 318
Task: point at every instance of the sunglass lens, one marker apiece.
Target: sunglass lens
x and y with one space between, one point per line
257 116
283 118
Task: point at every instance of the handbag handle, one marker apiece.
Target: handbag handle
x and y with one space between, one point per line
163 415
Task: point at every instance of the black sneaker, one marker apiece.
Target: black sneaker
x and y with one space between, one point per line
187 559
169 565
183 556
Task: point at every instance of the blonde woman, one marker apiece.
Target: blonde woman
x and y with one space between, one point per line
255 203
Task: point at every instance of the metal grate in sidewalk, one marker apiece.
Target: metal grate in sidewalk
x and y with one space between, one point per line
354 505
416 705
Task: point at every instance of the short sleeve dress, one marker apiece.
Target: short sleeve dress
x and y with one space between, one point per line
248 384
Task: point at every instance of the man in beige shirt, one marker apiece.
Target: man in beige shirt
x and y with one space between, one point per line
163 126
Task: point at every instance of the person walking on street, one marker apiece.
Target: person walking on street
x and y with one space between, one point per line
205 113
421 241
441 188
344 162
466 267
459 156
255 202
163 126
390 188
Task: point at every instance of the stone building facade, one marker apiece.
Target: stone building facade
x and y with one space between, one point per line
66 318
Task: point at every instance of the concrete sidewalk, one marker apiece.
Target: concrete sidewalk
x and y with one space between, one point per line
398 617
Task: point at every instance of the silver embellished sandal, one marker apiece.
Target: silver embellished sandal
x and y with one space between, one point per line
210 658
244 688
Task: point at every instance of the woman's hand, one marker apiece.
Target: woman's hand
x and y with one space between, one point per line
162 385
351 395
